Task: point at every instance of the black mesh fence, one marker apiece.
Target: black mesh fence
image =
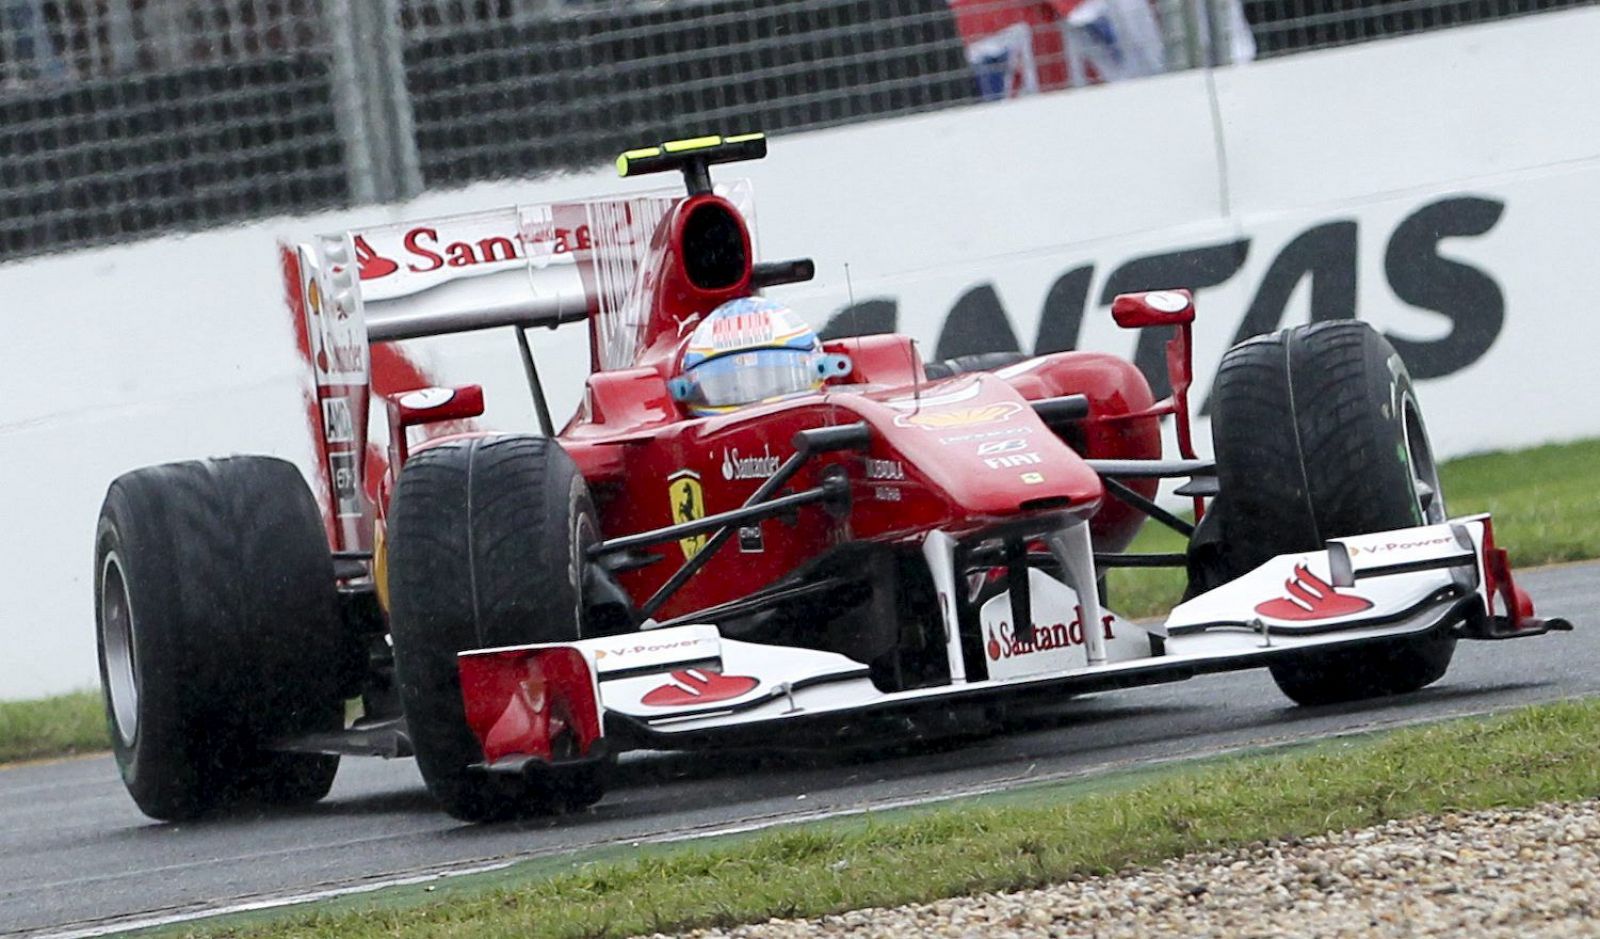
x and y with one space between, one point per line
1281 27
506 98
119 158
123 119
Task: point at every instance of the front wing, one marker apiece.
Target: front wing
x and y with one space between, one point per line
688 685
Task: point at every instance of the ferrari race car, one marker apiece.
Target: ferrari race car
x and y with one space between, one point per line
896 547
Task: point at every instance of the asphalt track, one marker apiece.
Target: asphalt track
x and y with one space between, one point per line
75 854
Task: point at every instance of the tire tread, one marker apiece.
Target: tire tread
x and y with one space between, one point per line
480 555
1301 423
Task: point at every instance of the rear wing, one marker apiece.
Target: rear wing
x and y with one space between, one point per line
520 267
528 265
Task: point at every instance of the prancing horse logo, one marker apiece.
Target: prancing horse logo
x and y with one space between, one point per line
688 505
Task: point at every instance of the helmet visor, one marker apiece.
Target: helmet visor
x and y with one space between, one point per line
748 377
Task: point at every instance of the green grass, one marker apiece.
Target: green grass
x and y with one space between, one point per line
1543 502
1148 591
1542 499
49 727
1023 839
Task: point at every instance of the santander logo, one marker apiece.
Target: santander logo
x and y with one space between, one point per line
698 686
1311 598
426 250
373 264
1003 643
749 465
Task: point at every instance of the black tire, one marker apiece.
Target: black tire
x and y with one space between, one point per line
486 541
977 362
1318 435
217 621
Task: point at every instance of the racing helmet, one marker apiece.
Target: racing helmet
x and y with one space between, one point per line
750 350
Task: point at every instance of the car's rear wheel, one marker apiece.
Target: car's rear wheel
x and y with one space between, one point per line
1318 435
486 548
217 622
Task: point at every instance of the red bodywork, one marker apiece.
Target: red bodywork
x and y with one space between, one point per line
969 478
961 454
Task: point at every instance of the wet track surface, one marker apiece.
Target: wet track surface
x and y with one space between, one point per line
74 851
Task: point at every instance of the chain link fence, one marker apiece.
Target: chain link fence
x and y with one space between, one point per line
127 118
189 114
1285 26
576 87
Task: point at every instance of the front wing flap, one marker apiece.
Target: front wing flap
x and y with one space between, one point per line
689 685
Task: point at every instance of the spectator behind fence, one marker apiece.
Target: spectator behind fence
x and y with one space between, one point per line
1111 40
1018 47
57 40
29 51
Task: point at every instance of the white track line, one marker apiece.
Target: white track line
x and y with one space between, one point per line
126 923
89 930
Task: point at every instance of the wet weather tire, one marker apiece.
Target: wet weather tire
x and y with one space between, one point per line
486 540
1318 435
217 624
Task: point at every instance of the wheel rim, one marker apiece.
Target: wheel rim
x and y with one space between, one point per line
1424 471
583 535
116 619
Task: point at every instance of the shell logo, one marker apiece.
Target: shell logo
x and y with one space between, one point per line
959 417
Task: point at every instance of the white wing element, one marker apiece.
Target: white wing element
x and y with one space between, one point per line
1057 643
525 264
688 683
1366 578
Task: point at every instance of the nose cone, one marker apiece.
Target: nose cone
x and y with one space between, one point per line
980 445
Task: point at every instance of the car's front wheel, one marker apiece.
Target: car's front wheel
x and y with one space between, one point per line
1318 435
486 548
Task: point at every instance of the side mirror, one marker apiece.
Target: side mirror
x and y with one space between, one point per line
1173 308
764 274
431 405
1153 308
857 436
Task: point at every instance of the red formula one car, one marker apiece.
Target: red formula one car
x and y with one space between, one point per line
883 546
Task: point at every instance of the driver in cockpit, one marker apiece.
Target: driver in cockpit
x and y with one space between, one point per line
749 351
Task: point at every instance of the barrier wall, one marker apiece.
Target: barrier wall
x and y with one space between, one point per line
1442 187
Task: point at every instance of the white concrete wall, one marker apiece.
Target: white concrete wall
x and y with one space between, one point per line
181 347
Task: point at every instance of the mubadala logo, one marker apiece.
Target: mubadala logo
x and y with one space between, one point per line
735 466
885 469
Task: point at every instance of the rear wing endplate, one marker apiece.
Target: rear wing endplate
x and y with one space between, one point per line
520 266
